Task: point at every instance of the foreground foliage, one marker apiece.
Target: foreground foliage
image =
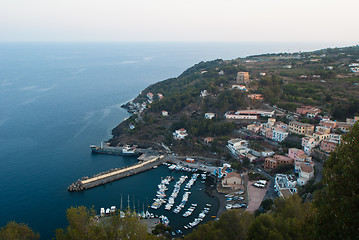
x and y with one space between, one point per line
84 225
17 231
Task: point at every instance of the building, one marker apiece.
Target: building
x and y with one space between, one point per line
240 87
344 126
279 135
164 113
242 77
150 96
232 181
328 123
160 96
208 140
312 113
303 110
237 146
204 93
328 145
255 96
285 185
180 134
294 153
276 160
301 128
254 127
308 143
306 173
322 129
209 115
233 115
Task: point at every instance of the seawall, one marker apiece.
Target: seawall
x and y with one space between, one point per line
150 162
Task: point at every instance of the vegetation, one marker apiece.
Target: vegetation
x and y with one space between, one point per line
18 231
83 225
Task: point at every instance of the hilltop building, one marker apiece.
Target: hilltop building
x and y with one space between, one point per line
243 77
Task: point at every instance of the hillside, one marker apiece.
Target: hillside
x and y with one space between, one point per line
323 78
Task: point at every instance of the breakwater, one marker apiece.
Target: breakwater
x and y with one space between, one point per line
114 174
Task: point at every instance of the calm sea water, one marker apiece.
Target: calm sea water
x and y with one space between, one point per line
57 99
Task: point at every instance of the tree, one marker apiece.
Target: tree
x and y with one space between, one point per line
337 202
84 225
289 219
17 231
231 225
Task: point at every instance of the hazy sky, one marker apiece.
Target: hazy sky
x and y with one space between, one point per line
180 20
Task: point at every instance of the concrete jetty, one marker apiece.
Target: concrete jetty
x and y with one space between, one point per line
148 161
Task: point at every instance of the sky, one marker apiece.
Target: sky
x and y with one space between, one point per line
180 20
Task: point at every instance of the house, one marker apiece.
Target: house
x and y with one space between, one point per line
220 72
312 113
306 173
254 127
208 140
232 181
303 110
242 77
281 126
322 129
328 123
204 93
308 143
209 115
255 96
328 145
237 146
160 96
285 185
240 87
294 153
335 137
320 136
352 120
262 74
164 113
344 127
150 96
279 135
301 128
180 134
276 160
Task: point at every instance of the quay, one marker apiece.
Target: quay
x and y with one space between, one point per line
148 161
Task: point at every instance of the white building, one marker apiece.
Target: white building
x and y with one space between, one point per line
306 173
180 134
204 93
164 113
285 185
279 135
237 146
209 115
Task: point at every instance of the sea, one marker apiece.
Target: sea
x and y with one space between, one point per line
58 98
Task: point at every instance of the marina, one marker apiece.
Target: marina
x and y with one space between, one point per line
166 195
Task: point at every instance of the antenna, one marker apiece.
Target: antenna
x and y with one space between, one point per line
121 203
128 201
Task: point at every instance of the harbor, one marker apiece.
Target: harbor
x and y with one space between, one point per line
183 188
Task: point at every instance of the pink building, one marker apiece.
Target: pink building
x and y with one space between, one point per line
295 152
